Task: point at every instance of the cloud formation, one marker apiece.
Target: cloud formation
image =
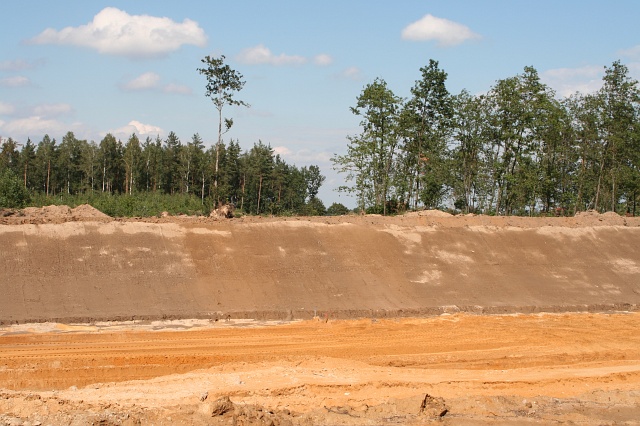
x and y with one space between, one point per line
138 128
323 60
177 88
16 81
36 127
632 52
303 156
151 81
115 32
19 64
146 81
6 109
351 73
52 110
567 81
445 32
261 54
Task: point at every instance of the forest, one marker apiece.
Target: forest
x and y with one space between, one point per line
517 149
141 178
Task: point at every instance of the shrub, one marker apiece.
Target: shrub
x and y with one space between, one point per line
13 194
337 209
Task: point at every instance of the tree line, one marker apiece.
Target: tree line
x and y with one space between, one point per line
516 150
257 180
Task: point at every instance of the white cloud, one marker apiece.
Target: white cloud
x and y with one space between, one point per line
567 81
115 32
633 52
52 110
151 81
261 54
17 81
445 32
36 127
146 81
6 109
634 70
282 151
177 88
138 128
351 73
19 65
323 60
303 156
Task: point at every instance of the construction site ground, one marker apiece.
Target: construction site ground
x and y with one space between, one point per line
356 320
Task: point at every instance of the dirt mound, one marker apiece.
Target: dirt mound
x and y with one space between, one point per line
223 412
438 218
224 211
85 211
53 214
429 213
47 214
593 218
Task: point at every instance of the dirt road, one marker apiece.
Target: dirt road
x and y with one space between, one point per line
513 369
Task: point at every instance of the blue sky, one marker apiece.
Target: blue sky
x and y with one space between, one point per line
94 67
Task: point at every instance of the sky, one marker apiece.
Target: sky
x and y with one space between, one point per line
122 67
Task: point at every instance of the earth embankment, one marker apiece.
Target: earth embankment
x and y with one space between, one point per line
85 269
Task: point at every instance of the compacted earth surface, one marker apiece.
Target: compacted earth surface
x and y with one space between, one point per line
358 320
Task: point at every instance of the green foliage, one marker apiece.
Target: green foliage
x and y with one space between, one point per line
426 123
315 207
337 209
125 205
223 83
13 194
370 155
515 150
164 175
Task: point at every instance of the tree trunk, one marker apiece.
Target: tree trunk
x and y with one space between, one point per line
244 180
48 174
259 194
215 179
613 193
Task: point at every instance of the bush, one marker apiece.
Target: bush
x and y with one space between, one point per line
144 204
13 194
314 207
337 209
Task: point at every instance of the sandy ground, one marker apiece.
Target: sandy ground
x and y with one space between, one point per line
73 265
577 368
201 321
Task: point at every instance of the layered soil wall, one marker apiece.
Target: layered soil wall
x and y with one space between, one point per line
83 270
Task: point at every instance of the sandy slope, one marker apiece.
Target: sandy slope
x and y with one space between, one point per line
76 265
367 266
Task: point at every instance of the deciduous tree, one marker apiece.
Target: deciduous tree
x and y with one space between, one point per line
223 83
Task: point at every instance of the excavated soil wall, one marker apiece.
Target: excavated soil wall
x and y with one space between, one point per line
102 269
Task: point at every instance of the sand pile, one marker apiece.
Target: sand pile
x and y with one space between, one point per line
592 217
52 214
428 213
85 211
